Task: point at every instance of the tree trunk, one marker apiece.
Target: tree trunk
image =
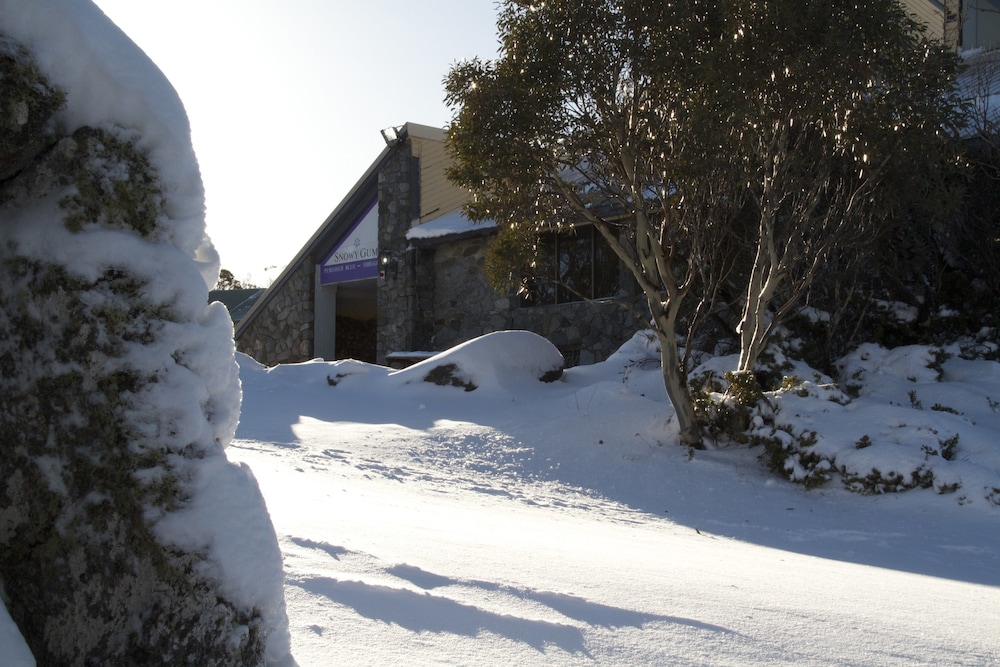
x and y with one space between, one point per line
675 382
754 327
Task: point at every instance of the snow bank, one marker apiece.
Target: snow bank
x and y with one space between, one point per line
561 525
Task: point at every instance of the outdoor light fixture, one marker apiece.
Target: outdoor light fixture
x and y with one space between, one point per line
390 135
386 264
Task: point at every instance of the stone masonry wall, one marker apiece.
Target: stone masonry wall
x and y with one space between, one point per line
396 293
585 332
435 297
282 331
464 306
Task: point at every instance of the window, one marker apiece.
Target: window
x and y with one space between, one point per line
571 266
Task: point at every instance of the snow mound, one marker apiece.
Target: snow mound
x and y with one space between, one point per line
500 360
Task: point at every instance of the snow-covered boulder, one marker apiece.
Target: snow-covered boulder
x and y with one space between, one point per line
503 359
126 536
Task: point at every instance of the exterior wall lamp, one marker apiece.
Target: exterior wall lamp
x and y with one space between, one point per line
386 264
391 136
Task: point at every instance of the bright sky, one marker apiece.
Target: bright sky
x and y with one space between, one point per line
286 99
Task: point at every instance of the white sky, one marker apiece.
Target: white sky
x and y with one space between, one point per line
286 99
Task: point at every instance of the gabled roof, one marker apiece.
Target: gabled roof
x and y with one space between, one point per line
336 225
237 301
339 222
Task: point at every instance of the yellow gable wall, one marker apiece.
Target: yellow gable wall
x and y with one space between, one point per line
437 194
929 13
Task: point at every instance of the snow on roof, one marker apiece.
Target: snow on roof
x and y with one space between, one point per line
447 225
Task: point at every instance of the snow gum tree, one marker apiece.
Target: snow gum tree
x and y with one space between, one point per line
710 144
833 109
582 119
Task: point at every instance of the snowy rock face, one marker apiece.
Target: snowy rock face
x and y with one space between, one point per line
119 384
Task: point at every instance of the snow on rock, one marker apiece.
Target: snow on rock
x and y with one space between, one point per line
227 518
500 360
110 84
13 651
120 382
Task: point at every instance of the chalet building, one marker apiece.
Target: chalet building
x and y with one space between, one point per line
395 274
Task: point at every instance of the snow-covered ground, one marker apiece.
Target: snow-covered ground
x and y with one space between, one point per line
556 523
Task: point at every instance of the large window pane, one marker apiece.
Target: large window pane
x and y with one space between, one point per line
571 266
606 272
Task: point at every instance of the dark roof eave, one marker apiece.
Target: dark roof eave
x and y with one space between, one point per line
434 241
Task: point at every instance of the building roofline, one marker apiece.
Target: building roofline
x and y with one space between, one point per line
425 132
369 179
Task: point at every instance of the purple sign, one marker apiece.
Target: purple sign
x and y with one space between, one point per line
356 256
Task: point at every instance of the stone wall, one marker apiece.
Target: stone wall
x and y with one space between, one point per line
435 295
585 332
282 331
462 306
396 293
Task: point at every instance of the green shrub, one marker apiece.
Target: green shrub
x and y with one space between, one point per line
876 482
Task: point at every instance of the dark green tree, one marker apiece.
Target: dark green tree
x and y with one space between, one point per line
228 281
582 119
671 125
841 113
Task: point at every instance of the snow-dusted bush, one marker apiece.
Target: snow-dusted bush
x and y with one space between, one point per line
126 537
897 432
913 417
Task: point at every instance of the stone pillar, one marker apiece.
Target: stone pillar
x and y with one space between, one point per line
396 295
953 23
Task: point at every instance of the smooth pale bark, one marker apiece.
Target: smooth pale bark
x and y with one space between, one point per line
675 382
754 327
650 265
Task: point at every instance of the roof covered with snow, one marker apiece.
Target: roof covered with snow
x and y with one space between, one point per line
447 226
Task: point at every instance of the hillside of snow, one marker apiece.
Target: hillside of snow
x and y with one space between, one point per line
556 523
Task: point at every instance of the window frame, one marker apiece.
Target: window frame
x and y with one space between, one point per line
559 267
